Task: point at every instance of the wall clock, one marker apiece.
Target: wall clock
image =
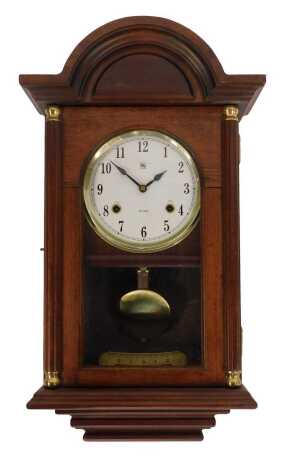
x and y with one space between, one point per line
142 336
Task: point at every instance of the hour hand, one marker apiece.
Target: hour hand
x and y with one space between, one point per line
157 177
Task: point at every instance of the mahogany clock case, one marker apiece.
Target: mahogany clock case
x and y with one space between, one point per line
176 273
142 73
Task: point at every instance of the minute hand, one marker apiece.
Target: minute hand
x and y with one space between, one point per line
157 177
123 172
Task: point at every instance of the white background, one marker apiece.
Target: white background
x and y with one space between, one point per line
248 37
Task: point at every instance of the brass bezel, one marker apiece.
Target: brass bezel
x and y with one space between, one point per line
129 246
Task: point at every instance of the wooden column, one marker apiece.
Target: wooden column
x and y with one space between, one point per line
53 249
231 246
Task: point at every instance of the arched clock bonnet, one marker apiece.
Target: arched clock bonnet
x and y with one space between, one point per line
171 66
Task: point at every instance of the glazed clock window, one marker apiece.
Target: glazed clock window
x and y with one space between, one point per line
142 191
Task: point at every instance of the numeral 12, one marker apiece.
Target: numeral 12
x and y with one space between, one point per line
143 146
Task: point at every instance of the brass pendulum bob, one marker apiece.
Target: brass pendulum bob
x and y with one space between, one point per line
144 303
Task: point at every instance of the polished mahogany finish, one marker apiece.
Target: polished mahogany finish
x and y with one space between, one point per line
177 413
204 245
230 255
53 247
147 61
142 73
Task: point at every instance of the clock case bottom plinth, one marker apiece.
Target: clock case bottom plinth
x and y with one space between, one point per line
136 414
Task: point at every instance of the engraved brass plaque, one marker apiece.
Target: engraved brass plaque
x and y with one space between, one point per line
125 359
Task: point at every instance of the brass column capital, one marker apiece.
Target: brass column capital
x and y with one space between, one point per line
231 113
53 113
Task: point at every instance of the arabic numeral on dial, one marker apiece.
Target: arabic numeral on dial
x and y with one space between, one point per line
144 231
100 189
180 167
120 152
180 210
121 223
186 188
143 146
166 227
106 210
106 168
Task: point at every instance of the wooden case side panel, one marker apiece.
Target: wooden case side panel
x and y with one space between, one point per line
231 244
53 244
72 276
211 266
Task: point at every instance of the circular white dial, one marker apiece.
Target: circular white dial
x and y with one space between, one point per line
142 191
